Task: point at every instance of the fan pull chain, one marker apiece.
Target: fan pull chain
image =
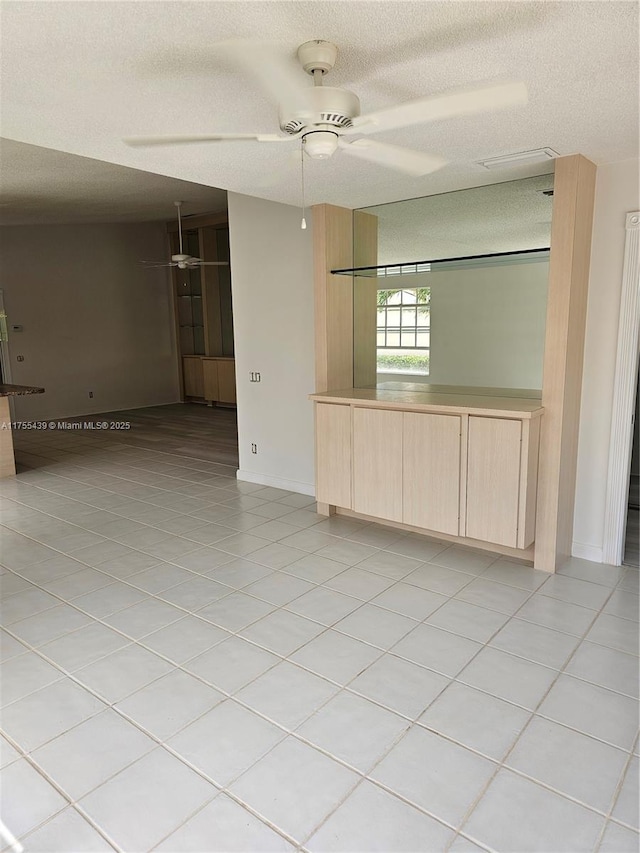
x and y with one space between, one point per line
303 224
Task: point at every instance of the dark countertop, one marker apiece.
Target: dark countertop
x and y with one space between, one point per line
18 390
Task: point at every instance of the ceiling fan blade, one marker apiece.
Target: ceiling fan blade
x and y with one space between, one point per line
396 157
198 262
146 141
459 102
278 75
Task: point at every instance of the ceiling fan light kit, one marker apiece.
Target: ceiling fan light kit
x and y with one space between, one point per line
324 117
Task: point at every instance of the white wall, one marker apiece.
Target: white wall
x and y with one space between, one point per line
93 320
272 282
487 326
616 195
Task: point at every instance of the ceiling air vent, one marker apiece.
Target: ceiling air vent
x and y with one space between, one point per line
522 158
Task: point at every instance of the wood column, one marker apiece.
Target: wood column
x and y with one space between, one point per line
333 249
574 187
343 239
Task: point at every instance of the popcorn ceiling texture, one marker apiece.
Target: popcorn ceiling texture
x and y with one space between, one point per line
40 186
79 80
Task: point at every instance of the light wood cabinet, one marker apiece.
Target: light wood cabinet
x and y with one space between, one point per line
470 475
227 381
493 480
193 376
210 372
502 480
377 463
431 471
219 384
333 455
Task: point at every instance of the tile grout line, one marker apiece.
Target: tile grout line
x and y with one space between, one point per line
139 641
275 609
533 713
329 628
287 732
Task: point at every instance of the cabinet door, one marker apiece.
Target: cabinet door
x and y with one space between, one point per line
493 480
333 455
193 377
377 463
431 471
227 381
210 377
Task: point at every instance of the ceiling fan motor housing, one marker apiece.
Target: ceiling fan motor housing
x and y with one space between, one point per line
325 106
181 260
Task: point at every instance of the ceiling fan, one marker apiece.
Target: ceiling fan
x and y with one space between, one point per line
182 260
325 118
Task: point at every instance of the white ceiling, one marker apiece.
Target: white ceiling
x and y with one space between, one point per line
41 186
80 76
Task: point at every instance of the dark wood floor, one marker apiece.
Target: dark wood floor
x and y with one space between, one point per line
184 429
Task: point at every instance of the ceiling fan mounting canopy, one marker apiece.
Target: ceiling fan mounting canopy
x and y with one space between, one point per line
317 55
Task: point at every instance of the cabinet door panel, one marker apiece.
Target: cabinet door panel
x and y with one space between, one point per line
210 379
431 471
227 381
377 463
493 480
333 455
193 377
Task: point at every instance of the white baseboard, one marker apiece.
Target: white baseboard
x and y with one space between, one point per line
587 552
277 482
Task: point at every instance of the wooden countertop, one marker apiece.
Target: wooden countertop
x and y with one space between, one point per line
19 390
417 401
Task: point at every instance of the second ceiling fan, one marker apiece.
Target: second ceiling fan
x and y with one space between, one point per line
182 260
326 119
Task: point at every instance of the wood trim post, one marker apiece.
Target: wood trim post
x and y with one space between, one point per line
333 249
572 221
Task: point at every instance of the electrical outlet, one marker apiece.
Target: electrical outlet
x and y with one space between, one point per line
254 448
254 377
90 395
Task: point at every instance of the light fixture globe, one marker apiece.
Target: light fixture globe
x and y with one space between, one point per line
320 144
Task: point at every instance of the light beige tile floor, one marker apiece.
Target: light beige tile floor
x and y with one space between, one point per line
190 663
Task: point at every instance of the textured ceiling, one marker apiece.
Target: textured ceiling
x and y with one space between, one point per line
41 186
80 76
